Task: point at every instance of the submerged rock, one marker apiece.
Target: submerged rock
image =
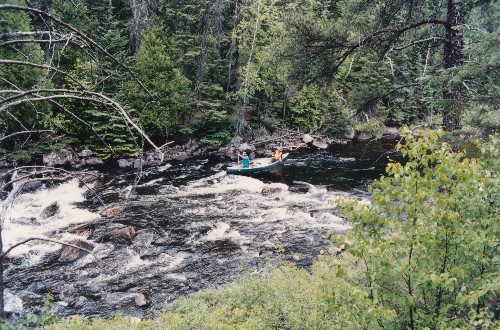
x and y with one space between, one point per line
298 188
50 211
70 253
266 191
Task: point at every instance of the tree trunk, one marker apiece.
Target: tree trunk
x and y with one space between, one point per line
453 58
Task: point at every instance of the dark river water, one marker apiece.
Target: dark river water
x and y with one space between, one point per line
196 227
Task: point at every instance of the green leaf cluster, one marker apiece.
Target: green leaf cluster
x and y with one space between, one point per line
430 238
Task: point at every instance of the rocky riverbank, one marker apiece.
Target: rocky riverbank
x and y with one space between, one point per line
258 147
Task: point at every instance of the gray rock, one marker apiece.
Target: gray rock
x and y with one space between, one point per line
141 300
50 211
364 136
125 163
181 156
85 153
31 186
307 138
60 158
320 144
92 161
390 131
137 163
267 191
79 302
298 188
245 147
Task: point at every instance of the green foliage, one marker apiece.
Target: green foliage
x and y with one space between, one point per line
159 113
372 126
113 137
44 318
285 298
306 111
212 128
429 239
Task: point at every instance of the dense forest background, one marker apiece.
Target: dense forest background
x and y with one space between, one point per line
110 74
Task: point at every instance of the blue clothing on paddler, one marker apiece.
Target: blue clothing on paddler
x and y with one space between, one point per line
245 161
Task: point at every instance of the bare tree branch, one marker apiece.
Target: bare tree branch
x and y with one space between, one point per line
81 35
80 95
3 255
23 132
43 66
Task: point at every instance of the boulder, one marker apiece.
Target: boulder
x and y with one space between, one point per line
110 210
69 253
298 188
267 191
390 131
125 163
181 156
360 136
320 144
85 153
93 161
31 186
60 158
50 211
141 300
307 138
121 235
245 147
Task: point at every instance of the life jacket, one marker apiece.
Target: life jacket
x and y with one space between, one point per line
245 161
278 155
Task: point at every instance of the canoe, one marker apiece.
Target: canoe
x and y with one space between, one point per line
257 165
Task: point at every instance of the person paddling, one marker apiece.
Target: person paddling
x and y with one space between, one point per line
277 155
245 161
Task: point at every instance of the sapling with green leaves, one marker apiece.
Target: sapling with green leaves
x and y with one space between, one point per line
429 241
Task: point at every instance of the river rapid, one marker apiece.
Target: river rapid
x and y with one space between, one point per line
195 228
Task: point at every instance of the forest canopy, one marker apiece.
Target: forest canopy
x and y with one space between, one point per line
218 69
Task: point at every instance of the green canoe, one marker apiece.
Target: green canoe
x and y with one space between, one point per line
257 165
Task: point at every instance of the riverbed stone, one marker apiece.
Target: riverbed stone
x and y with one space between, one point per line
70 253
181 156
120 235
31 186
79 302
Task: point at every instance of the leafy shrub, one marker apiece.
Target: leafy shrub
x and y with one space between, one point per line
429 241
